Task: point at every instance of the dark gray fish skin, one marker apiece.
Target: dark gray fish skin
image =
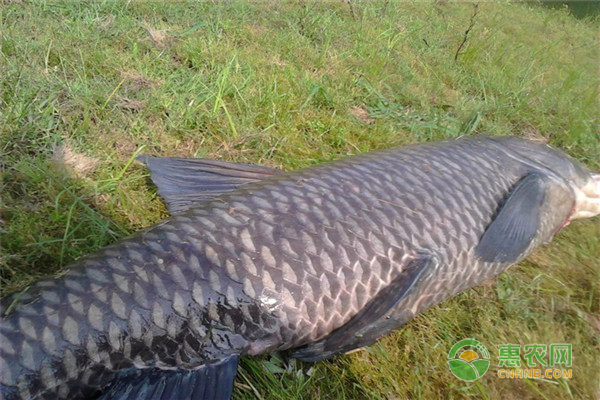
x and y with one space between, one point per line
278 264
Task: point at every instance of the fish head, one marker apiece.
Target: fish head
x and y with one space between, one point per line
587 201
584 184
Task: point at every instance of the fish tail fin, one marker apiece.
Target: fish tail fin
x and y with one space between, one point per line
209 382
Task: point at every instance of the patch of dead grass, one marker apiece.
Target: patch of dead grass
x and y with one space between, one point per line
160 37
105 23
131 105
533 134
78 164
361 113
135 82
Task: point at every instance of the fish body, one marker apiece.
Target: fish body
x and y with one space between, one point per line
318 261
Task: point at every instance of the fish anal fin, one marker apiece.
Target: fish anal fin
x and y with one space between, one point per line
186 182
374 320
517 222
211 381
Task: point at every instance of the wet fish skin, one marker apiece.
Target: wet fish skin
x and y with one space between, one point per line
278 264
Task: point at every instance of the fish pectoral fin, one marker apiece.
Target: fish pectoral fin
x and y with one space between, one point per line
185 182
516 224
375 319
211 381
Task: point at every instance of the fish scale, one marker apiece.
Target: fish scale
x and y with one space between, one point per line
274 265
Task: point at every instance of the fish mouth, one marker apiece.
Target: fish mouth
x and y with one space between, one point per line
587 202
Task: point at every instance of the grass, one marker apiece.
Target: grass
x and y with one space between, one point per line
86 85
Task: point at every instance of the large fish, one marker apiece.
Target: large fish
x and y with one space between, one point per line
319 261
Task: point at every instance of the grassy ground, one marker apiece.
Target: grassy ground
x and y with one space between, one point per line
84 86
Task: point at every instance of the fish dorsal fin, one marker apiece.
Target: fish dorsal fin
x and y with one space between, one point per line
186 182
211 381
375 319
516 224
